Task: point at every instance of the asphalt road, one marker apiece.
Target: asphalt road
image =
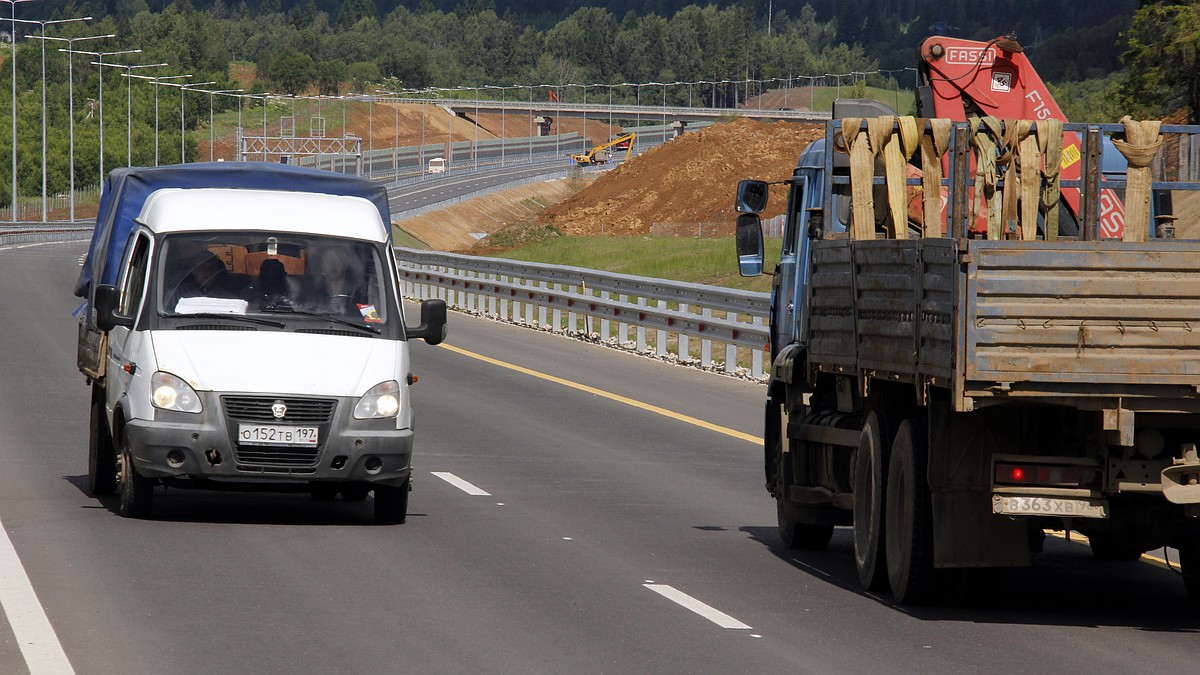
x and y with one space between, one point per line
443 187
604 505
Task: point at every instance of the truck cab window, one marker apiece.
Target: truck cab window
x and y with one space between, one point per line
135 280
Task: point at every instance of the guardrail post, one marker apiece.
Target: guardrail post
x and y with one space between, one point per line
622 327
491 311
705 343
504 300
556 315
604 323
730 357
641 330
756 356
572 317
660 336
542 308
684 353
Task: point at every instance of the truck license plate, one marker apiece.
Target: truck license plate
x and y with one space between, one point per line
270 434
1048 506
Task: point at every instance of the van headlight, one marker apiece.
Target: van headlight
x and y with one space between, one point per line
382 400
171 393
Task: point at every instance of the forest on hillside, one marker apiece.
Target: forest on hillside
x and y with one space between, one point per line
356 46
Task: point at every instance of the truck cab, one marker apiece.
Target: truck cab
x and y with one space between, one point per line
249 338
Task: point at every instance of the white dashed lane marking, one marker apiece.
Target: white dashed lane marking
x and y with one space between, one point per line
461 484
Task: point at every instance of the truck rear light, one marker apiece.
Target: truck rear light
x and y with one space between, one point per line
1037 474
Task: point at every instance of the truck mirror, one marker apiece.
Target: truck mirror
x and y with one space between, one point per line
433 322
751 196
749 241
105 301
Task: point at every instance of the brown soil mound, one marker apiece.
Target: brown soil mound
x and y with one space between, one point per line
691 179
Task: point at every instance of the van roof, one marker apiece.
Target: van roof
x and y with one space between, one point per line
127 189
183 210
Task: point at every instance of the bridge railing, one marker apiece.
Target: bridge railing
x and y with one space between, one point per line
672 320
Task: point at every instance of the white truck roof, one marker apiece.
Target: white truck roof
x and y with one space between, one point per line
192 209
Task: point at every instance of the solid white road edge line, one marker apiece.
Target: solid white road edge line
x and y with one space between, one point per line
39 643
688 602
461 484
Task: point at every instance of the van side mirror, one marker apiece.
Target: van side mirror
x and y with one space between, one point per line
751 196
433 322
749 242
106 300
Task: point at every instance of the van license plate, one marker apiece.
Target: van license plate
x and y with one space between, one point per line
270 434
1048 506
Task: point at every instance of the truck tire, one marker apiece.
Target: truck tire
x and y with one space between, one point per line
1110 548
137 492
102 460
1189 565
391 504
909 520
870 480
802 536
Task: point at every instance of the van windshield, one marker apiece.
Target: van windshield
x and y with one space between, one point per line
271 274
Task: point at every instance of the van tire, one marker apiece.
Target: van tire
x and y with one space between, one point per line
102 460
391 504
137 492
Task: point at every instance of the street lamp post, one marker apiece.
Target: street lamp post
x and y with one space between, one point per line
12 58
211 139
42 37
156 79
71 103
128 102
182 121
100 59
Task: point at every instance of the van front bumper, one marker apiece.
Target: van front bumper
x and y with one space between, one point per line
205 445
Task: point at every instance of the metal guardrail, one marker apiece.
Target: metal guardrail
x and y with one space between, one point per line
38 233
666 316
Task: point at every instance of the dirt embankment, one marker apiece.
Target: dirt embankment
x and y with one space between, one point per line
691 179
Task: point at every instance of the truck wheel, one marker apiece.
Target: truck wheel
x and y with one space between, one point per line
102 460
803 536
1110 548
137 493
870 479
391 504
1189 564
909 518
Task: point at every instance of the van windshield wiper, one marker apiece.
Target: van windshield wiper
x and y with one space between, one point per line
283 309
227 315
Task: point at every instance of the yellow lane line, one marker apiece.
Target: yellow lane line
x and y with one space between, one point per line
1146 557
733 433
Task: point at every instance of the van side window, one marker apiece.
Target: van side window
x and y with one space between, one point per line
135 279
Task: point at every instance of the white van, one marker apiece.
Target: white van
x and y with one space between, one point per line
437 165
248 336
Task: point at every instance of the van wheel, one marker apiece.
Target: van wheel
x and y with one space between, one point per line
322 492
870 480
391 504
910 519
102 460
356 492
137 492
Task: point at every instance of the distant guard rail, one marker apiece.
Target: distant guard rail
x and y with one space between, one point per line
668 317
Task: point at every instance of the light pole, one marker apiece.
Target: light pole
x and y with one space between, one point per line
182 120
128 102
100 59
156 79
71 102
12 59
42 37
211 140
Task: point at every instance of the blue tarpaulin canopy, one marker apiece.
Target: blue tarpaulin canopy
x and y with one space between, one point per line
127 189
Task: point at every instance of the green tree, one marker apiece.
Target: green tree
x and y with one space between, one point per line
293 71
1163 60
330 75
